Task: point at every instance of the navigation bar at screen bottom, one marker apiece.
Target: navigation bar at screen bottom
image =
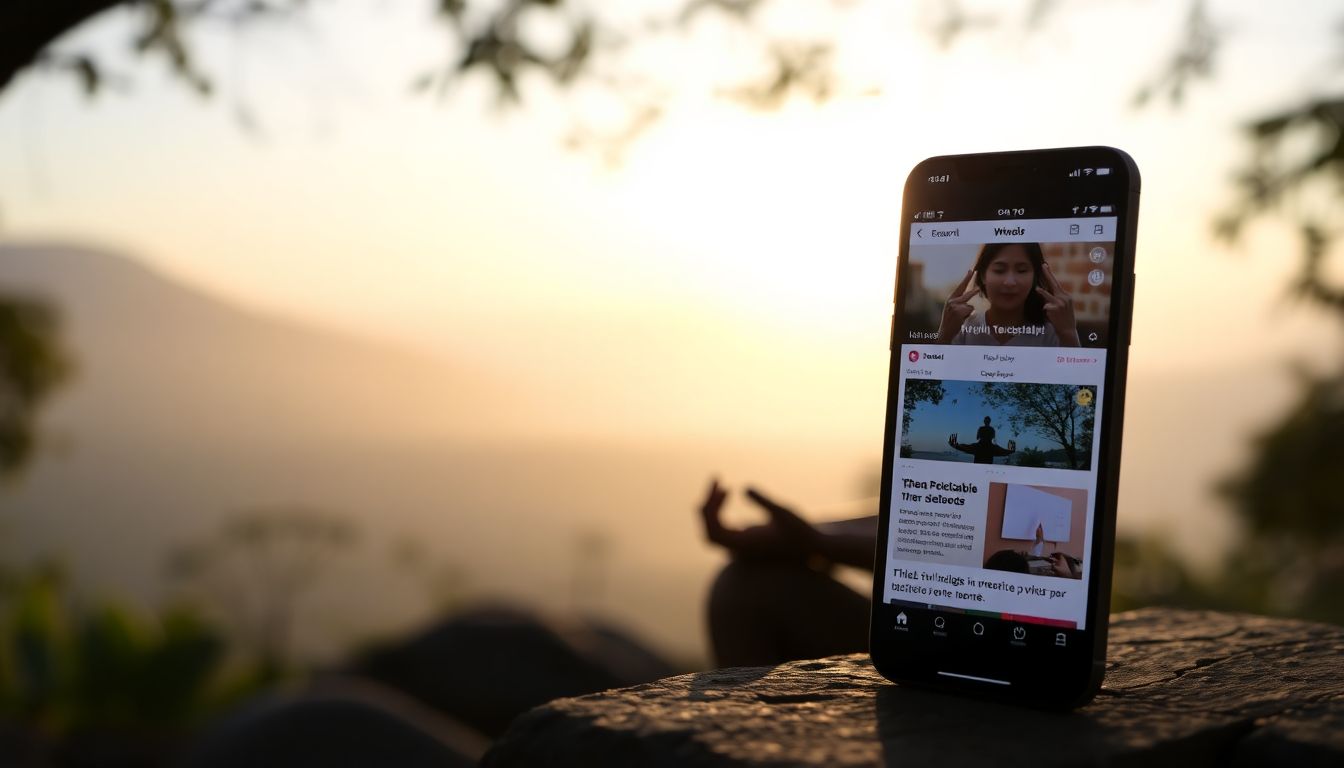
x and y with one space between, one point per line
1017 617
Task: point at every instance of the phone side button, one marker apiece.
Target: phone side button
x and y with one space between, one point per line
891 341
1133 287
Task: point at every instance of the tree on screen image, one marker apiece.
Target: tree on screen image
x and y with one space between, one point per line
1032 457
1051 411
917 391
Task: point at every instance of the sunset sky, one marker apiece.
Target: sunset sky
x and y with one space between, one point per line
717 302
726 238
732 276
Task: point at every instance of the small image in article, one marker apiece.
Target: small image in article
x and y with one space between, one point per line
1035 529
1024 425
1008 294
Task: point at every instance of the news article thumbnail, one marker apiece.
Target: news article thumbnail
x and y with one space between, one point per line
1034 529
940 306
1015 424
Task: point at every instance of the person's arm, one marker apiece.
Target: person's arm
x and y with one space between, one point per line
787 536
850 542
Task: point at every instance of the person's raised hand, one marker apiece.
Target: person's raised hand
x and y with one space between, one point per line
958 308
710 511
1059 308
786 536
787 522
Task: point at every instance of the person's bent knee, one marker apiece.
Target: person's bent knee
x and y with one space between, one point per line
741 583
764 613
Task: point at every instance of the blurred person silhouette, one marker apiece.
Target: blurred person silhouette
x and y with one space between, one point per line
1027 305
777 600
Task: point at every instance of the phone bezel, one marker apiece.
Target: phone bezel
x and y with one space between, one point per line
1076 671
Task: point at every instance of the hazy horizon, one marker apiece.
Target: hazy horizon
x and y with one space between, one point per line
432 317
133 462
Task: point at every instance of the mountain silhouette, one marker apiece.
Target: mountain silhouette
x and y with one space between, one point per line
158 359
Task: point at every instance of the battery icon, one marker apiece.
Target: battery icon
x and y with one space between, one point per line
1103 171
1105 209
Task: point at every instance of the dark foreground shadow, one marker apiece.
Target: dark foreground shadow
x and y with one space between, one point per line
918 727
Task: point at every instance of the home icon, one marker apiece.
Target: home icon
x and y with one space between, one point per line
900 619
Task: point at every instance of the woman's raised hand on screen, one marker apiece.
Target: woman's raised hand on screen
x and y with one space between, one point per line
958 308
1059 308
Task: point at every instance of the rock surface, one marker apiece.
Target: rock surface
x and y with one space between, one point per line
1183 688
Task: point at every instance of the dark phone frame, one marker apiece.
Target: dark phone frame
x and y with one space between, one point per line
1041 675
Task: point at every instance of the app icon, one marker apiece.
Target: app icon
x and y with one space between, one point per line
1096 277
914 356
1097 255
900 619
1098 230
939 622
1019 633
978 628
1073 229
1084 397
1061 639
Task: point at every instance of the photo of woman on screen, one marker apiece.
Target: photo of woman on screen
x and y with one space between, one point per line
1027 305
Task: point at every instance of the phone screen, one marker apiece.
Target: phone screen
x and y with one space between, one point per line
1007 357
997 464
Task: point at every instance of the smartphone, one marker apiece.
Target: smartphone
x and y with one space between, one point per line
1001 458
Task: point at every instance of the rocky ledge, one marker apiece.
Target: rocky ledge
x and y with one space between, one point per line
1182 688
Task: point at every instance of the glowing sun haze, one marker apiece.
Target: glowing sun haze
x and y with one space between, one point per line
733 275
